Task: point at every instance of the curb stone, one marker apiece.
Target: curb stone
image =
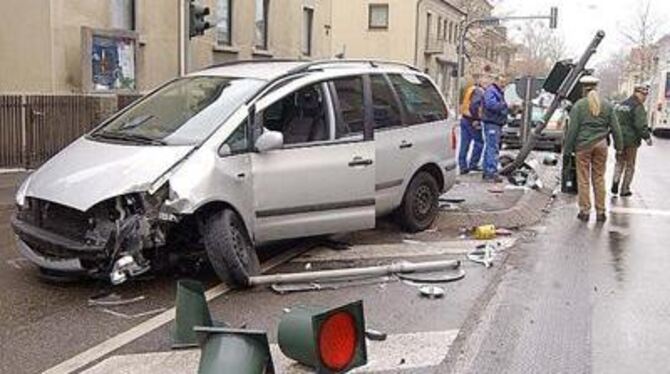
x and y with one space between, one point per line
527 211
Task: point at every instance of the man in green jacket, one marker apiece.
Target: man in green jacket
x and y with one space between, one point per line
633 121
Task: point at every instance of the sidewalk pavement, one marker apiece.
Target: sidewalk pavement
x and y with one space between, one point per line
502 205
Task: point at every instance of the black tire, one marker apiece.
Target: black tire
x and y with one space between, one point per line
420 204
229 248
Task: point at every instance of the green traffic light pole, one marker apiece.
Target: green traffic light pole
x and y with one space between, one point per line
489 21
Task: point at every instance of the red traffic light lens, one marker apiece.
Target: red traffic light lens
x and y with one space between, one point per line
338 340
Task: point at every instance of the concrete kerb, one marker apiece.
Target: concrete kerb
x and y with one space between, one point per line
528 210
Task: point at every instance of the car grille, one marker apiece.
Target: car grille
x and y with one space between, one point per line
56 218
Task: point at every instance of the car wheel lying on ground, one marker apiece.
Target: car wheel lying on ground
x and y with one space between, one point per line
229 248
224 160
420 204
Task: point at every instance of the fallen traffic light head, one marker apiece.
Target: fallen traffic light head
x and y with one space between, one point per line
192 310
330 340
236 351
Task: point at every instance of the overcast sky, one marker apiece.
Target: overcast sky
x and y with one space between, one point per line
579 20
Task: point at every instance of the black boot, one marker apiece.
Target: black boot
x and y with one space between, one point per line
615 187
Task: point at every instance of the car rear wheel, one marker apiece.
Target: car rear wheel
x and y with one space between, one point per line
229 248
420 204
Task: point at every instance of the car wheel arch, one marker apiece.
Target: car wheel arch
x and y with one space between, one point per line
205 210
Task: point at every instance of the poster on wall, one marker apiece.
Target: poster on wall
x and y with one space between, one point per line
109 60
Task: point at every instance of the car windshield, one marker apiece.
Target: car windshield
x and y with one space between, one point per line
183 112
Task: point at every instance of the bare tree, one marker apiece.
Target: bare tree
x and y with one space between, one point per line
540 48
610 72
640 33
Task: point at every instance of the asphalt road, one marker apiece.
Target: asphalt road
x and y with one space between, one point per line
583 298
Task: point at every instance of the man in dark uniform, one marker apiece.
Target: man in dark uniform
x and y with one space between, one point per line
633 121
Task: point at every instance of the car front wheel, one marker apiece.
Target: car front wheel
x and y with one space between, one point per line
229 248
420 204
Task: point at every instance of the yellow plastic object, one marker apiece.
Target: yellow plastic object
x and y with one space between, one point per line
485 232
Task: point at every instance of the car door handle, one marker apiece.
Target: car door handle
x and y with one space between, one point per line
359 161
405 145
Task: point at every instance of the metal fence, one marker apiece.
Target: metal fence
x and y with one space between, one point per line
33 128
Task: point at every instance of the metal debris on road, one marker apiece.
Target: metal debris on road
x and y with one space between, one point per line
112 299
375 335
433 278
456 200
133 316
550 160
431 292
314 286
482 255
354 273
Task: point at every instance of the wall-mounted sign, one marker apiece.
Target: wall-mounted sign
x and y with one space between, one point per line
109 60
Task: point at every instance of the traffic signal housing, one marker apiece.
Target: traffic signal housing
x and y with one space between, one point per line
238 351
329 340
197 22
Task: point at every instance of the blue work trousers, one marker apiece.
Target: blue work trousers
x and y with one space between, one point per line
469 135
491 133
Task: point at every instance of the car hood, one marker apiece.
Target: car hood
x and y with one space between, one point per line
88 172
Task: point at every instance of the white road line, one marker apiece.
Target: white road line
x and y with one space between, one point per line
108 346
640 211
398 250
400 351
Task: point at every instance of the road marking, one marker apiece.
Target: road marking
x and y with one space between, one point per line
398 250
110 345
400 351
639 211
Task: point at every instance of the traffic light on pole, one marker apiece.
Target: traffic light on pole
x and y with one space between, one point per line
553 18
329 340
196 16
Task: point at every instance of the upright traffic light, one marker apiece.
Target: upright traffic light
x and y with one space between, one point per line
196 16
553 18
329 340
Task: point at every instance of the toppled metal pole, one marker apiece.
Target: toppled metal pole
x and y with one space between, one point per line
563 92
314 276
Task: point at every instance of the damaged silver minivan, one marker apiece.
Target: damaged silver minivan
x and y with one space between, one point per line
238 155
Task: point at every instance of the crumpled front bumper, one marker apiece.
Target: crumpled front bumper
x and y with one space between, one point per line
52 251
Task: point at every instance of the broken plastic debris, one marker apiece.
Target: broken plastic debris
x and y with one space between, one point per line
431 292
485 232
482 255
504 232
112 299
375 335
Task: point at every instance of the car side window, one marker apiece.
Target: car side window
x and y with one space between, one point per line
237 142
349 105
302 116
422 103
386 112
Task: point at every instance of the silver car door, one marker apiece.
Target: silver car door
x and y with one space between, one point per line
315 186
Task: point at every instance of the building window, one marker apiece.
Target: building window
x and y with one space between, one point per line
307 25
429 21
439 27
123 14
444 30
224 26
261 21
378 17
451 32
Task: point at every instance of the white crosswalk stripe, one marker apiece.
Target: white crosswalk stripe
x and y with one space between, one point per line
428 349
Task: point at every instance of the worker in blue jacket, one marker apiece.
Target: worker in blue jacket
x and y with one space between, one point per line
494 118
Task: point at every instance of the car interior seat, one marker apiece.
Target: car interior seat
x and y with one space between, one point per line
308 122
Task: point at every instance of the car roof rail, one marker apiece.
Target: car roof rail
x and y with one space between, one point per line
254 61
374 63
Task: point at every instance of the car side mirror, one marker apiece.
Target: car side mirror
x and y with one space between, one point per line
269 140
